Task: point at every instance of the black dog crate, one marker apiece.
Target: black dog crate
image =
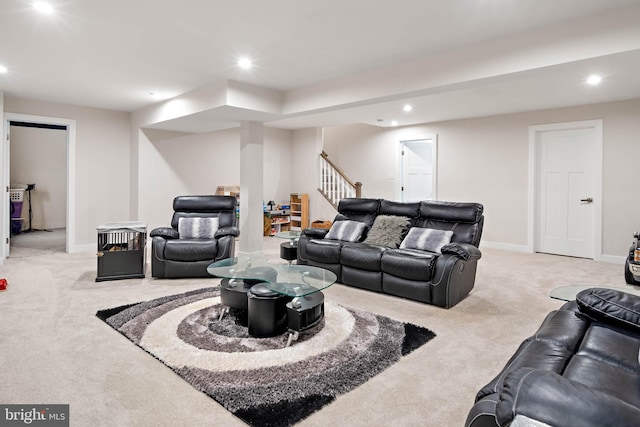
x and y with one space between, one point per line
121 250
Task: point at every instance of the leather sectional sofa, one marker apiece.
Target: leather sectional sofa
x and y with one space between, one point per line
441 276
581 368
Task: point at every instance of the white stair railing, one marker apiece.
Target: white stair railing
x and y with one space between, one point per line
334 184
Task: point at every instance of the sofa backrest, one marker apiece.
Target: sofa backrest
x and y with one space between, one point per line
358 209
222 207
464 219
408 209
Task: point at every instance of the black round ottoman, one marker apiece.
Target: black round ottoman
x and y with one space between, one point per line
267 311
288 251
233 293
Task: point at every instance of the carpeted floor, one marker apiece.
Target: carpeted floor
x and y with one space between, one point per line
38 243
260 380
55 350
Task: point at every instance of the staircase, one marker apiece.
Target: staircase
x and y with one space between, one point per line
334 183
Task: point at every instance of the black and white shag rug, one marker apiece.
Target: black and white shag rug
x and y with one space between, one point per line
261 381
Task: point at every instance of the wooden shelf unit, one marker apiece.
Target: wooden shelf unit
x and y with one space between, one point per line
280 221
299 211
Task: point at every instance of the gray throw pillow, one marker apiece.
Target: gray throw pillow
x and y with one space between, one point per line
197 228
426 239
348 231
387 230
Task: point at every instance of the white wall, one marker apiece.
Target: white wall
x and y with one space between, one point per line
40 156
486 160
307 146
199 163
482 160
279 180
102 163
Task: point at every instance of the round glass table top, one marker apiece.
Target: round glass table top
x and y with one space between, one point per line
291 235
287 279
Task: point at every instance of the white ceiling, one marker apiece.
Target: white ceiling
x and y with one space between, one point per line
332 61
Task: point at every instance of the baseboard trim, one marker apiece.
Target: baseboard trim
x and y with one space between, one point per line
613 259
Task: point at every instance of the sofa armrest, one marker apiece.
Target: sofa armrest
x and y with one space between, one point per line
552 399
611 306
165 232
227 231
465 251
315 233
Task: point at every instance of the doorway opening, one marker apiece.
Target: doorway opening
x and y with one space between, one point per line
48 170
38 176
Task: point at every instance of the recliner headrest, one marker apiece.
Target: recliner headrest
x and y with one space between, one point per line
451 211
359 205
204 203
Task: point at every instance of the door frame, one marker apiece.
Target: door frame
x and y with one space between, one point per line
534 163
71 175
400 167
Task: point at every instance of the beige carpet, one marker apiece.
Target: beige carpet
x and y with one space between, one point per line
54 349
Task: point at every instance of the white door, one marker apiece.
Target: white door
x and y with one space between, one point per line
418 170
6 223
566 160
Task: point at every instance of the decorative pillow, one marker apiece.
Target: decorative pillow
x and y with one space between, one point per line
426 239
348 231
387 230
611 306
197 228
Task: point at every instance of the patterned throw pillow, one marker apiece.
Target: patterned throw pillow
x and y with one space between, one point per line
197 228
349 231
387 230
426 239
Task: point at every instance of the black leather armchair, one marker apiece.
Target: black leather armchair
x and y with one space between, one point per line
189 255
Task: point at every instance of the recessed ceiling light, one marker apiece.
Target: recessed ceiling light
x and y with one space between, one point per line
594 79
244 63
3 69
407 107
43 7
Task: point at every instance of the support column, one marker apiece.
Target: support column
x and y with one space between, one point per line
251 177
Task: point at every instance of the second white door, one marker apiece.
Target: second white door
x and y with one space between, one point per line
566 191
418 170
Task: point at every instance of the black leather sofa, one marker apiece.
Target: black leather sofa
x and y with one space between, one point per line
175 256
580 368
441 279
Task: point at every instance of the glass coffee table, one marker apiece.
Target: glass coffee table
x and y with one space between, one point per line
276 297
289 250
569 292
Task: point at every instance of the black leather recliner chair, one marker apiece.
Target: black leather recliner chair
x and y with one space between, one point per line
579 369
189 255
